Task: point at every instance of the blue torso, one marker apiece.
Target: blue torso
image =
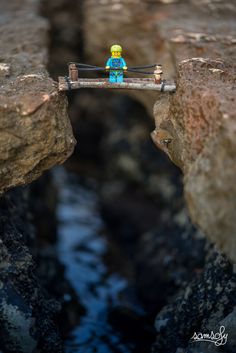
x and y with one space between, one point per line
116 63
116 73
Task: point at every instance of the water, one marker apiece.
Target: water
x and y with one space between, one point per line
82 244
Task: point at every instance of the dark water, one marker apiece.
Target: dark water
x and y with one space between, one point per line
82 245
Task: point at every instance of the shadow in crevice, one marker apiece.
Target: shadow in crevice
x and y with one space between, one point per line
124 237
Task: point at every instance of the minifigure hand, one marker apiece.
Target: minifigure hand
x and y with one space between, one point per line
107 68
125 68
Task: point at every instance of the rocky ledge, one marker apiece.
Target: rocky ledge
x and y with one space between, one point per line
35 130
35 135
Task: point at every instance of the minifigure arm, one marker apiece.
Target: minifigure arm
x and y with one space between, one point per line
108 64
124 64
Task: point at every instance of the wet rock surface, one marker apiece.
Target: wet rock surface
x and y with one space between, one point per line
27 313
35 130
195 311
141 200
35 135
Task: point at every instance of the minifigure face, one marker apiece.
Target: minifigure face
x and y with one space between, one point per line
116 54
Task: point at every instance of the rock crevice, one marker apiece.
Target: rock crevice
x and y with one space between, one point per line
195 42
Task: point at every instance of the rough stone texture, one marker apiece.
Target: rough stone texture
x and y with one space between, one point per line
66 23
35 135
194 311
35 131
26 313
199 120
196 42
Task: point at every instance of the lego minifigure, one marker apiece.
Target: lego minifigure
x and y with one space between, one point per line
116 65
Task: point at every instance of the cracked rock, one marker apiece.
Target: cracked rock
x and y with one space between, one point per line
35 131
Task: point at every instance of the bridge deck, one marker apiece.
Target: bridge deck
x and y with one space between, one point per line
66 84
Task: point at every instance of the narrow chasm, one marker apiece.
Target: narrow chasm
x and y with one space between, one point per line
123 244
99 255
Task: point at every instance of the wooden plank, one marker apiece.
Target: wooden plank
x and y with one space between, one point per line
140 84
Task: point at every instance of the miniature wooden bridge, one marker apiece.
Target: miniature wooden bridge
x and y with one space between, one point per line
154 83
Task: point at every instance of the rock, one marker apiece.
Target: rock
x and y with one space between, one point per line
35 135
203 306
26 313
195 126
66 23
200 119
35 130
229 322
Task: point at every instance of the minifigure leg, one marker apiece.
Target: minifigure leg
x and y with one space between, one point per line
112 77
120 77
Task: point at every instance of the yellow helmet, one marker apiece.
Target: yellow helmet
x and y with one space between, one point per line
116 47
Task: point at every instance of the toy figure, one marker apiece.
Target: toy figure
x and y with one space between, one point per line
116 65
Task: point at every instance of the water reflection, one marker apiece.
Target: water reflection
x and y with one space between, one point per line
82 245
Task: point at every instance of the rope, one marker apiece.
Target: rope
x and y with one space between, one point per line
102 69
135 69
80 64
144 67
140 72
91 69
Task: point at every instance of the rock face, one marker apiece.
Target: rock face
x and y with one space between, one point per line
26 314
35 135
193 311
195 41
35 130
201 119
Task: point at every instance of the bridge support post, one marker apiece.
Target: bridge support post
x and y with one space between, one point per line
73 72
158 74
